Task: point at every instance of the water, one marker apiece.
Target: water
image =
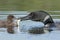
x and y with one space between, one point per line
25 26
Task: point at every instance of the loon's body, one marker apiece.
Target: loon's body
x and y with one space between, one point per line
44 17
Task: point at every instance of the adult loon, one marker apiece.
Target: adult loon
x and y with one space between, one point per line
42 16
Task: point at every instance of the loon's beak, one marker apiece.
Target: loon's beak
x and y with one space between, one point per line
24 18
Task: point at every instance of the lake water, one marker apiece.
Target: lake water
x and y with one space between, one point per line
25 26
